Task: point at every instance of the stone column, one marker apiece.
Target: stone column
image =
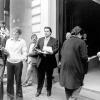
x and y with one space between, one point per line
1 11
20 15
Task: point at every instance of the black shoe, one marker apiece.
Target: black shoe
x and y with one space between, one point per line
20 95
48 93
37 94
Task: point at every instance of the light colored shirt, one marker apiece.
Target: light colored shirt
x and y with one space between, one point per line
46 40
17 50
45 47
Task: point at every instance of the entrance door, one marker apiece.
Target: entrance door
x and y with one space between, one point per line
85 13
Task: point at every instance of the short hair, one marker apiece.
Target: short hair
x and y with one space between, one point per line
3 23
47 27
34 35
76 30
18 30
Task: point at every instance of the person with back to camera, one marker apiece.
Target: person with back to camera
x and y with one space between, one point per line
73 63
32 62
47 47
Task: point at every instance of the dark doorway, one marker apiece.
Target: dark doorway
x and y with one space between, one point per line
84 13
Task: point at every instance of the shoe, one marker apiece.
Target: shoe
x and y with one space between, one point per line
73 98
24 84
19 95
37 94
27 84
48 93
9 97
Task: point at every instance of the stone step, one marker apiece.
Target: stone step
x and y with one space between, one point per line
94 95
85 94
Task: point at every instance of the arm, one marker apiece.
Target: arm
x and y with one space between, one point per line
83 51
5 50
84 56
55 47
32 51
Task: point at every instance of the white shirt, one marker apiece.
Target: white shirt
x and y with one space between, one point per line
45 47
46 40
17 50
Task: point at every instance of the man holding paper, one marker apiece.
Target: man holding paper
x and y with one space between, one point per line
47 61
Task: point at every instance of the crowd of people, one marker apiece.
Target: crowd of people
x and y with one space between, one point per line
41 61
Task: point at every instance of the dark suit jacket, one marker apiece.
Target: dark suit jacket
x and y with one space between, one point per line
50 58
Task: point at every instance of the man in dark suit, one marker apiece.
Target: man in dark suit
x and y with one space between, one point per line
47 61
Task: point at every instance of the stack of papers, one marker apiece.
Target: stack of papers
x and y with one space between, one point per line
47 49
39 51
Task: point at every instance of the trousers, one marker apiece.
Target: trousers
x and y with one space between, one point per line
14 69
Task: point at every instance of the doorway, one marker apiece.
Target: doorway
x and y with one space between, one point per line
84 13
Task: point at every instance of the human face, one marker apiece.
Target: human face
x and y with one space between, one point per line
47 32
34 38
15 35
85 36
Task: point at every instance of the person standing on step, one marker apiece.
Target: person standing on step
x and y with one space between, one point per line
47 47
32 62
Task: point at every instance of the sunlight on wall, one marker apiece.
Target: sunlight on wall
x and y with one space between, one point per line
43 14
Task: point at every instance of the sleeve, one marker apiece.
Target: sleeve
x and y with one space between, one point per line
38 42
55 47
83 51
6 45
84 56
7 32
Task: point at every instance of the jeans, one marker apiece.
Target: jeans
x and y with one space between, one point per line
14 69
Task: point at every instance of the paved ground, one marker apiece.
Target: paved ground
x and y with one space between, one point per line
90 90
57 93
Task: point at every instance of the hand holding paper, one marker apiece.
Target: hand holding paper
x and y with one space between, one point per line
48 49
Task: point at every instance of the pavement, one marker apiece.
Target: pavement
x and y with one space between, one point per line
90 90
57 93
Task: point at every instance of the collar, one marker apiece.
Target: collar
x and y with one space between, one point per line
17 40
74 36
47 38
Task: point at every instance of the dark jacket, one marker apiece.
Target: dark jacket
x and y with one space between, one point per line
49 59
73 63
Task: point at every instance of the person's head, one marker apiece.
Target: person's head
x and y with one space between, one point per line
16 32
3 25
34 37
84 36
68 35
47 31
77 31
